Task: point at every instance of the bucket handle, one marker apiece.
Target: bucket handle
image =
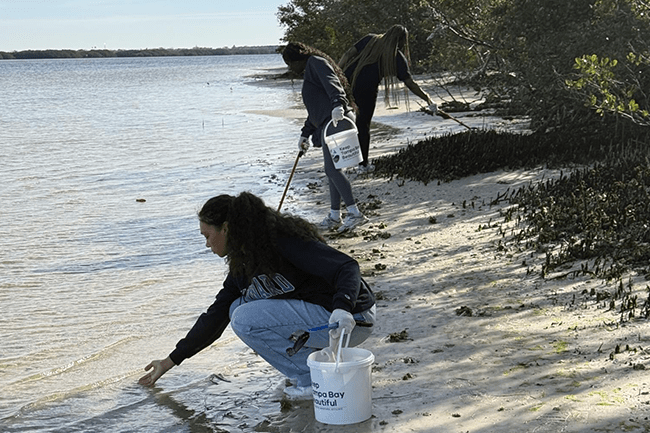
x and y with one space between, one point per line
354 126
338 352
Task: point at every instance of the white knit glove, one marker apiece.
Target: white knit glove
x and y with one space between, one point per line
338 113
303 145
345 320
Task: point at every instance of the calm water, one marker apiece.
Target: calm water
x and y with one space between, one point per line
95 283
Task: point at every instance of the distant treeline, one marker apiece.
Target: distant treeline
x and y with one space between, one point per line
148 52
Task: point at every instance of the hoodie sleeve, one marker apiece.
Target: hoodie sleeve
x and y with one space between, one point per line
210 325
308 129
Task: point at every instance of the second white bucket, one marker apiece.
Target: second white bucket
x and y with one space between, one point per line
343 143
342 391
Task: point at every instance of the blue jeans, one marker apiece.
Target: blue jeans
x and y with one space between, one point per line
266 326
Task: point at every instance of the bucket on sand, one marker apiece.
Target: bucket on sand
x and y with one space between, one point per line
343 142
342 389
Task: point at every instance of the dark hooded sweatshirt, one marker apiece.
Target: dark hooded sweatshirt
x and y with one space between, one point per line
311 271
321 92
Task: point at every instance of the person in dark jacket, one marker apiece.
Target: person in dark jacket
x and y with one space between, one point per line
326 95
373 59
282 277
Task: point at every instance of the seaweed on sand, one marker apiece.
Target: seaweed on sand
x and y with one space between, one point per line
597 215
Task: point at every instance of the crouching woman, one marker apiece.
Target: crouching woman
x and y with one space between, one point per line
282 277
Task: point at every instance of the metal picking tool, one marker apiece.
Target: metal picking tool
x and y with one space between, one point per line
300 337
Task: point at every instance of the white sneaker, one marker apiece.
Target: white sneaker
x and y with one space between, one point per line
329 223
299 392
365 169
353 221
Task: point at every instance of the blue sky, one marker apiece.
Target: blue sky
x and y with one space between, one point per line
116 24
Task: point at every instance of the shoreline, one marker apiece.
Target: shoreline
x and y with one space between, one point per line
469 337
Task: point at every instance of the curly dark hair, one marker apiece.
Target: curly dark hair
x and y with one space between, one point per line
296 51
253 231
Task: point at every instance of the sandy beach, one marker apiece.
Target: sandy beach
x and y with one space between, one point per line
469 337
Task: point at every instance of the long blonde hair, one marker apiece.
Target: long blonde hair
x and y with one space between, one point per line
383 49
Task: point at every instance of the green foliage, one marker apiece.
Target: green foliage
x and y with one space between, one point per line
609 87
614 80
522 51
538 42
333 26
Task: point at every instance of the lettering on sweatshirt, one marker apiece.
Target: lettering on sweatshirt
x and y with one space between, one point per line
266 287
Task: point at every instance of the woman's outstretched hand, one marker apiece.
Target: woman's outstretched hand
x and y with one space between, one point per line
158 368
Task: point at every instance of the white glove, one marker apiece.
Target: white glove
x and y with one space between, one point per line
303 145
337 114
345 320
433 107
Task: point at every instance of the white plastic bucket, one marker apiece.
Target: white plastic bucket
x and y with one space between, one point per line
343 144
342 390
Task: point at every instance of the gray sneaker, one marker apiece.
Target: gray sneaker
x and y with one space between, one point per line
329 223
353 221
363 169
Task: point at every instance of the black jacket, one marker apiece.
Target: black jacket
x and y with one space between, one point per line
311 271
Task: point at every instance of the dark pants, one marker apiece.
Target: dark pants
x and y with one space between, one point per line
365 95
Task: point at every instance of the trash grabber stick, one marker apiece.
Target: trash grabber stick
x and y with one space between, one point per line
441 113
444 115
286 188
